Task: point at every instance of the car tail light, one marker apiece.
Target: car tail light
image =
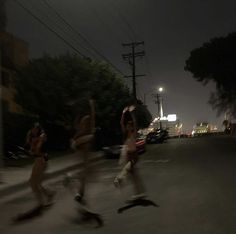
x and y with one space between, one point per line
141 142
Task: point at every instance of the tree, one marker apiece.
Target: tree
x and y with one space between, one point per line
143 116
216 61
53 88
48 85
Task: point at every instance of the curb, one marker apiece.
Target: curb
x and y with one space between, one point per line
49 175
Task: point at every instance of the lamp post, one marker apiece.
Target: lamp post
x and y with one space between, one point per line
159 101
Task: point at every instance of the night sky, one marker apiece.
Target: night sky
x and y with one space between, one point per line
169 28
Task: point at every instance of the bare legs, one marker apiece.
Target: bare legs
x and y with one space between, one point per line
36 180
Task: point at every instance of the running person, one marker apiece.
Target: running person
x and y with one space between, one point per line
129 155
35 140
82 142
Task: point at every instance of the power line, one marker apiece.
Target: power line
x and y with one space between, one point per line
81 35
124 29
62 29
131 29
74 30
147 62
49 28
104 23
59 36
124 19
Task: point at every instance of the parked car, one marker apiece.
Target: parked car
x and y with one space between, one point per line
15 152
141 144
115 150
157 136
112 151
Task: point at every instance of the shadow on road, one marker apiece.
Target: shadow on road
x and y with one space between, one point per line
30 214
139 202
87 217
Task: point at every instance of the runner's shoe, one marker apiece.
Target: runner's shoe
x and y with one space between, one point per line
117 182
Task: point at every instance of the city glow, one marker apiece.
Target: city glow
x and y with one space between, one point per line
163 118
172 117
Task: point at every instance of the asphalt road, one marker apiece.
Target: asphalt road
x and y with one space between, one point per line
192 180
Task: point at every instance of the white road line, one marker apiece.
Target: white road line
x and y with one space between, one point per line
157 161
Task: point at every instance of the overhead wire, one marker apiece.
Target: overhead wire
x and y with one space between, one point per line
105 25
111 29
130 29
79 34
64 30
134 34
121 28
49 28
62 38
147 62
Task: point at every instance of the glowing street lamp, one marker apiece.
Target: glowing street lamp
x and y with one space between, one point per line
160 89
160 104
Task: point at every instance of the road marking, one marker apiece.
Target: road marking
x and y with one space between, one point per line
157 161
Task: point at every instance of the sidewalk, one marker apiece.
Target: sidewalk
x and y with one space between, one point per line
16 179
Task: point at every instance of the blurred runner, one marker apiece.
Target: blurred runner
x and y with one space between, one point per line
35 141
82 142
129 155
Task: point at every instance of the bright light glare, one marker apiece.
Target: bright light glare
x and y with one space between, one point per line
172 118
160 89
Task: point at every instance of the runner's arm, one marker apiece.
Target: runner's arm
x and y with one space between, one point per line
42 139
134 122
123 119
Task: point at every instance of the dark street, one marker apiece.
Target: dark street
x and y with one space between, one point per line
117 117
191 179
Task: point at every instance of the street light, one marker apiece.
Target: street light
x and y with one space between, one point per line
160 89
160 101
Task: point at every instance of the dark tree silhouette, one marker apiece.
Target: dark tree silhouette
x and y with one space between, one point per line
216 61
48 87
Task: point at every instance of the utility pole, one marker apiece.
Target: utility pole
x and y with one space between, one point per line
131 58
1 116
159 106
157 101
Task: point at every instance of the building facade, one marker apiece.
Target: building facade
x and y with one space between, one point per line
13 55
170 123
201 128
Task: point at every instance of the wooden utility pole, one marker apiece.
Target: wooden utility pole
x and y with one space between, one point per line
131 58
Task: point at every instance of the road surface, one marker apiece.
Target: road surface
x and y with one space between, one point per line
192 180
